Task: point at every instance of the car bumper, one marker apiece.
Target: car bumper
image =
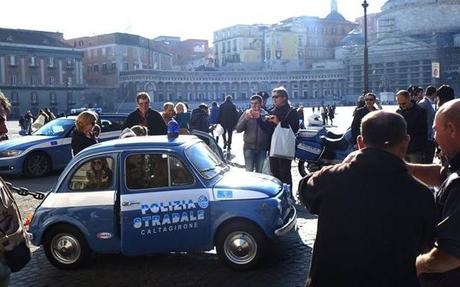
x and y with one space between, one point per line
10 166
290 223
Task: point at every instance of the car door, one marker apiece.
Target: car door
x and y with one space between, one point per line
60 148
88 196
163 206
111 126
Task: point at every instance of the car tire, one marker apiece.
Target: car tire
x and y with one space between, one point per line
306 168
66 248
241 245
37 164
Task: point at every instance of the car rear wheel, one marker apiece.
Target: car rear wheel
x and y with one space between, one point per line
241 245
306 168
37 164
66 248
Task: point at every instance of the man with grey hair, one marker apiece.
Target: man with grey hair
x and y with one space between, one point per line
374 217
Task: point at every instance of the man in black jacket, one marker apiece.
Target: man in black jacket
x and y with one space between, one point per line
441 265
228 117
358 115
146 117
374 217
288 117
417 128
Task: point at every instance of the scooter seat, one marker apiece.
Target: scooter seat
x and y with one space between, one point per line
332 135
334 144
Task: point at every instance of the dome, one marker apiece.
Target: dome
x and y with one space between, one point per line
355 37
335 16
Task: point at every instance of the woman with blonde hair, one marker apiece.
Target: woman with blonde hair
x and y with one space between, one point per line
83 135
5 109
182 117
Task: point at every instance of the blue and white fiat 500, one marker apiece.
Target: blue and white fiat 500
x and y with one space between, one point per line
49 147
146 195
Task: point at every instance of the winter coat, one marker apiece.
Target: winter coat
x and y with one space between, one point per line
416 127
80 141
214 115
199 120
155 122
254 137
228 115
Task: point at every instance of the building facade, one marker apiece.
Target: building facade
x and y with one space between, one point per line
38 69
292 44
411 36
310 87
105 56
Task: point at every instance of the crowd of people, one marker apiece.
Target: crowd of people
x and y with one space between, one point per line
388 216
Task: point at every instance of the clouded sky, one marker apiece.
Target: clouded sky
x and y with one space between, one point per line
151 18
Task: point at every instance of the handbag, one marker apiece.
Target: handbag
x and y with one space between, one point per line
14 240
283 141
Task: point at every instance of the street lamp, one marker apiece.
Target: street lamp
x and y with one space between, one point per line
366 51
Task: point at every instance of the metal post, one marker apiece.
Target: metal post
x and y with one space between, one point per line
366 51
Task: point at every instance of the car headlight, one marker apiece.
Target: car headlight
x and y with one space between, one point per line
10 153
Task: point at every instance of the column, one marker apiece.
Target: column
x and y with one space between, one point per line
2 70
61 82
23 71
42 72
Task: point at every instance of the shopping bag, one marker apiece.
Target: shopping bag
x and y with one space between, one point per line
218 130
283 143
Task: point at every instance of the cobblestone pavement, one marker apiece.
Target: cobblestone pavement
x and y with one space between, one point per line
287 264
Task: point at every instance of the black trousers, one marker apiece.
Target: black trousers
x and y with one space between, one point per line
429 152
228 142
281 169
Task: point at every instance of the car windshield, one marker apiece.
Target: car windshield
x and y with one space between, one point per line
57 127
205 160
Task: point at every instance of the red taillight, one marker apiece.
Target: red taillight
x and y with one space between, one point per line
27 220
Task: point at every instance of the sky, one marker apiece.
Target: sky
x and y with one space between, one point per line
188 19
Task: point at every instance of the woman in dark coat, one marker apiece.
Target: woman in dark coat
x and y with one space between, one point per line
83 136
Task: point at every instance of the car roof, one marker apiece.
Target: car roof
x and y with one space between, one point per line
140 142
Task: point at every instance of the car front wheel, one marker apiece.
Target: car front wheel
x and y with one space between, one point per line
66 248
241 245
37 164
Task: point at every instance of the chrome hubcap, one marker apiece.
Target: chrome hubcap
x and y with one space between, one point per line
240 247
65 248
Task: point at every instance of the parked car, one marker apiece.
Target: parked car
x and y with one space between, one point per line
49 148
160 195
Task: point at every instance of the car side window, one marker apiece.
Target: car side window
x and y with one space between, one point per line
155 171
180 175
94 174
147 171
110 124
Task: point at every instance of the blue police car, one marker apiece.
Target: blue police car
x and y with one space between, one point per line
49 147
146 195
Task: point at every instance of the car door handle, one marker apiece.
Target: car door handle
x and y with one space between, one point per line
129 203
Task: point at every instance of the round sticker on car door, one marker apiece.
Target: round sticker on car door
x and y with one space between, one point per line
104 235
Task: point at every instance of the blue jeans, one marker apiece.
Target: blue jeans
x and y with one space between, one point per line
254 159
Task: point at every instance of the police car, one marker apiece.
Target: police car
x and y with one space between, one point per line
49 147
146 195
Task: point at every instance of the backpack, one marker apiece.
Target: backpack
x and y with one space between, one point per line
14 241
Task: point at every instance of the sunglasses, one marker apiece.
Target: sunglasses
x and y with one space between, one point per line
369 100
